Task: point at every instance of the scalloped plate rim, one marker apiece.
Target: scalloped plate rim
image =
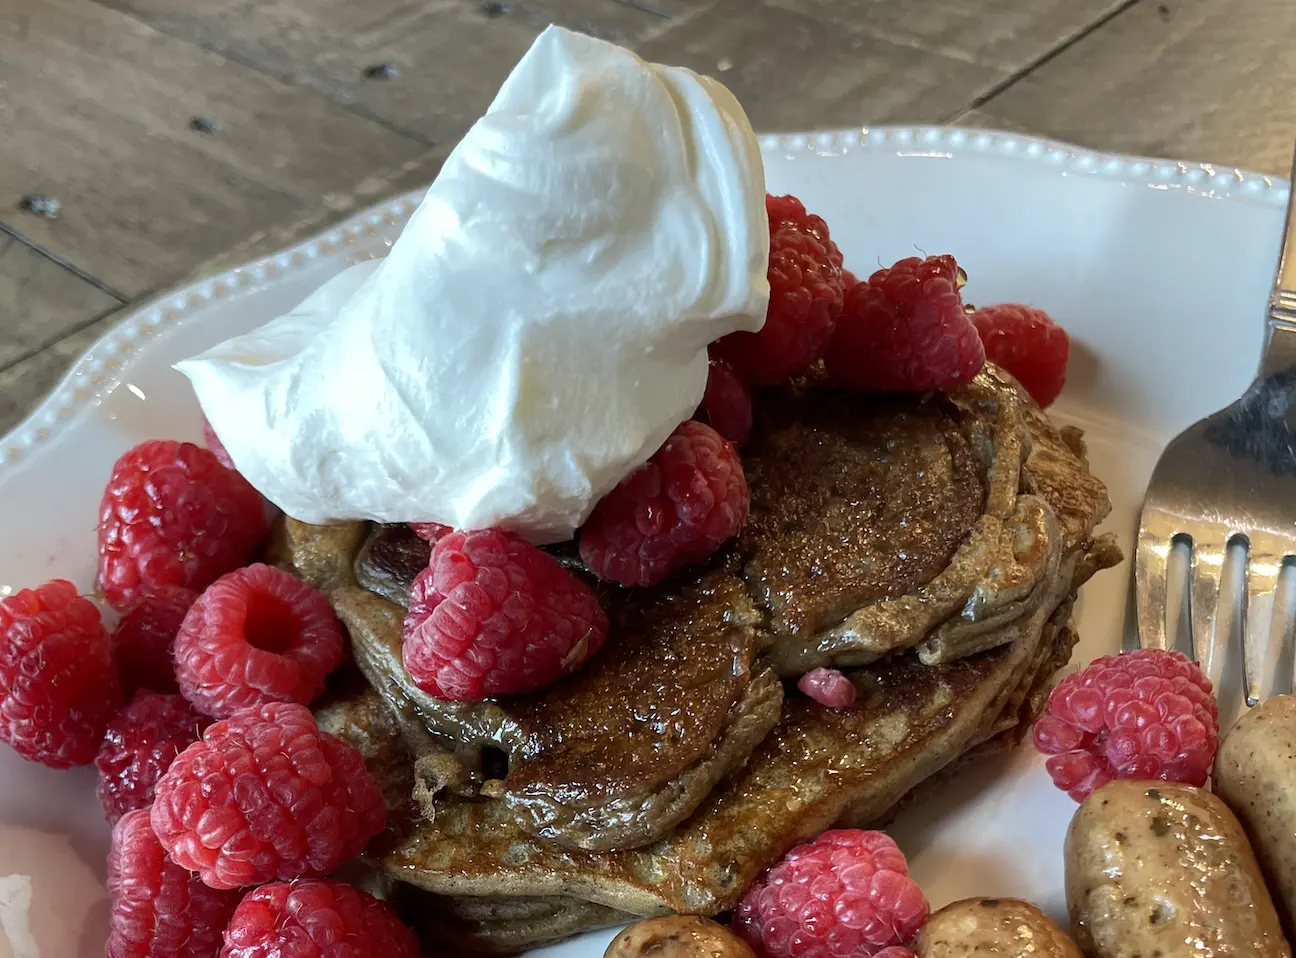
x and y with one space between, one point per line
70 399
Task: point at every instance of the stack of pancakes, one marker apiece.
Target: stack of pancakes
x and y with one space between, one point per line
928 546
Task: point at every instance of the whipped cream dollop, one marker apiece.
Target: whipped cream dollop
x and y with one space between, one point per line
540 326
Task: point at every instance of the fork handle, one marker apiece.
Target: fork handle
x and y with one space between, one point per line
1280 339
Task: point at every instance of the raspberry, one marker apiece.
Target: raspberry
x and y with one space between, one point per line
805 278
159 910
1148 714
430 532
727 403
212 442
494 615
145 635
676 509
316 919
138 747
58 678
905 330
1027 343
173 515
256 635
828 687
265 795
847 893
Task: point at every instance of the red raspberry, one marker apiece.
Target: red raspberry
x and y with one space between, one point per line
430 532
847 893
805 278
895 951
316 919
1148 714
145 635
58 678
828 687
173 515
905 330
1027 343
159 910
139 746
266 795
494 615
727 403
676 509
212 442
256 635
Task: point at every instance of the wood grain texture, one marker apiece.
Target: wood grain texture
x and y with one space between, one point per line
1007 34
669 8
1180 78
450 56
41 300
415 174
96 109
792 71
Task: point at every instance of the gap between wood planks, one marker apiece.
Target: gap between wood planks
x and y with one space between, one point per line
670 21
72 268
1042 60
56 294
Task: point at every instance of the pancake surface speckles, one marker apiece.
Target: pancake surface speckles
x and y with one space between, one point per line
929 546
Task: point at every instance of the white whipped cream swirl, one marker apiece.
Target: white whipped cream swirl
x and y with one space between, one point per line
540 326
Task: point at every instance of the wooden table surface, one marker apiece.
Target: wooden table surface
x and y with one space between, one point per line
181 136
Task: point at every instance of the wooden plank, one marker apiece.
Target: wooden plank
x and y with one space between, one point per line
1007 34
415 174
1179 78
41 300
450 56
26 383
96 112
792 71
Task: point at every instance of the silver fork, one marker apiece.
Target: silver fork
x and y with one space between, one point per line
1230 480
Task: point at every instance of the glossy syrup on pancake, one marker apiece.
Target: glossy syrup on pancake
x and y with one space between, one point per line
993 577
852 502
504 925
818 764
615 755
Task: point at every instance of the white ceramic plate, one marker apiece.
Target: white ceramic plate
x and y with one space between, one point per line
1158 269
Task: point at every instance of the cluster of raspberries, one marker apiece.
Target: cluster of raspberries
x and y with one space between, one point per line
228 803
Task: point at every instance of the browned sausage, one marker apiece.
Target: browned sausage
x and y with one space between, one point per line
1154 868
677 936
1255 774
1002 927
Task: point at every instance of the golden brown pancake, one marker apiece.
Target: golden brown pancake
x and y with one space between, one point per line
877 524
818 764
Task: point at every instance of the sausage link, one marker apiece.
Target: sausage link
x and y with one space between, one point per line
1255 774
1154 868
1003 927
677 936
